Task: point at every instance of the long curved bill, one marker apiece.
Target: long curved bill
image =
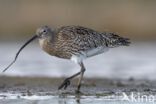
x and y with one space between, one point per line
30 40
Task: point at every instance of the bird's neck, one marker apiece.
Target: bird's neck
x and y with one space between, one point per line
44 41
48 46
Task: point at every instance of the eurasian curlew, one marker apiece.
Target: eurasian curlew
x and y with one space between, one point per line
75 43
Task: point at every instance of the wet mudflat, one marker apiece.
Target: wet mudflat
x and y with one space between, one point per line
24 90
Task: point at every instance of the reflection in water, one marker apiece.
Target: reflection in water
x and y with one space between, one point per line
64 99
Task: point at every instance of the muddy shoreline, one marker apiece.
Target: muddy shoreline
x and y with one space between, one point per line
91 86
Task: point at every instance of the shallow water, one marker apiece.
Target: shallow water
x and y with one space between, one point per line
18 99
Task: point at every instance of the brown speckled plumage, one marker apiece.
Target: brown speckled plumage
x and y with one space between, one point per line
73 40
77 43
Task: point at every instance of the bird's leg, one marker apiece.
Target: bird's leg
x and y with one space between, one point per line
66 82
81 77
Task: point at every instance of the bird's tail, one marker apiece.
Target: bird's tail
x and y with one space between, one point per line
114 40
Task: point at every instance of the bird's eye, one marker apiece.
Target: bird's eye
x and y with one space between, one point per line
44 31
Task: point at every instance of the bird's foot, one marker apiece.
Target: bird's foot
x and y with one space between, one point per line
65 84
78 92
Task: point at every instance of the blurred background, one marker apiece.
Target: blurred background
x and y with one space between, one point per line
135 19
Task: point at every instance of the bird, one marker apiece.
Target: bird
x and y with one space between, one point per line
75 43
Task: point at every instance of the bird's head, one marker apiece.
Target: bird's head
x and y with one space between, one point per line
43 32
